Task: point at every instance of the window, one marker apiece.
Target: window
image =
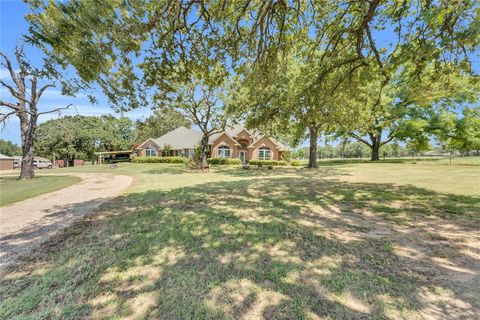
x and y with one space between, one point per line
150 152
190 153
223 152
263 153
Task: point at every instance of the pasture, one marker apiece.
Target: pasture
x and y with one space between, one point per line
349 240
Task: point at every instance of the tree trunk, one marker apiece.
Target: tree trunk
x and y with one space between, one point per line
203 157
375 152
312 158
375 146
27 129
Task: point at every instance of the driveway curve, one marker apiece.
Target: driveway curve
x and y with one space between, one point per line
27 224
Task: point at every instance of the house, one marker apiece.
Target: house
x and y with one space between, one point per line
234 142
6 162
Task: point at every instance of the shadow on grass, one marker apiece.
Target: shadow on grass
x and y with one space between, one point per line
291 247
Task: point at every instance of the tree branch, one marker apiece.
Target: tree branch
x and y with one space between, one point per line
55 110
42 90
8 64
359 139
9 105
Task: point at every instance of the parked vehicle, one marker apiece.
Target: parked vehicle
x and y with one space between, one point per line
17 162
118 158
42 164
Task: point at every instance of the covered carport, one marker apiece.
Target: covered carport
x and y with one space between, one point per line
110 156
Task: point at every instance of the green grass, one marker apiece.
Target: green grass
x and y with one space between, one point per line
454 161
342 242
13 190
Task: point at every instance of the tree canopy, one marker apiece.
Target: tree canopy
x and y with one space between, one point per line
9 148
78 137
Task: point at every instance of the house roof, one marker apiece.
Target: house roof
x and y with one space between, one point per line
185 138
2 156
232 132
180 138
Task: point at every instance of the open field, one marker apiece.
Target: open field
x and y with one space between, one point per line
350 241
14 190
455 160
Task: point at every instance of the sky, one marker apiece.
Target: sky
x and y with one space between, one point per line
12 27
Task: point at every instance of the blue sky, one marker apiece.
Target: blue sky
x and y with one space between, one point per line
12 27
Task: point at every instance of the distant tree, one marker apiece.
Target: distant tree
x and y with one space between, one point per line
78 137
162 120
9 148
398 109
466 136
459 132
299 153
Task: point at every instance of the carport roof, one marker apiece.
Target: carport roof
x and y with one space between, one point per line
2 156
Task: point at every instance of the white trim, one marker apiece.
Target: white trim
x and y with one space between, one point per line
224 133
148 140
224 148
264 149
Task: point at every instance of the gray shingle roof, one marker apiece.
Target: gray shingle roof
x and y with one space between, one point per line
2 156
180 138
185 138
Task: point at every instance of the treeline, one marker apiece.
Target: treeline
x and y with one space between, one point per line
353 150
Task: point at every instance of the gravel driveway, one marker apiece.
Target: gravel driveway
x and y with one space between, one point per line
26 224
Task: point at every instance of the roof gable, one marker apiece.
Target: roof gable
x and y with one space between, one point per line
219 135
144 143
277 144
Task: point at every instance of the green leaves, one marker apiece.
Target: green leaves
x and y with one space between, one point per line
81 136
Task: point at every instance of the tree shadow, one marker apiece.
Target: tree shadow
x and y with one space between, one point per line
25 240
275 247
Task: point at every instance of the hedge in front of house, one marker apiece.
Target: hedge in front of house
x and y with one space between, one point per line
226 161
268 162
159 160
295 163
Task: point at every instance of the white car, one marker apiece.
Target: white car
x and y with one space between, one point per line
41 164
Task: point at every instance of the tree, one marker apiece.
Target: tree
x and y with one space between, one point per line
399 109
460 133
78 137
289 101
162 120
23 103
9 148
200 100
467 135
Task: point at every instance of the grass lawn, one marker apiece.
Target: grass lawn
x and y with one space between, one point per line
348 241
13 190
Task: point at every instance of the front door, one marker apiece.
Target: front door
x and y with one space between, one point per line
243 156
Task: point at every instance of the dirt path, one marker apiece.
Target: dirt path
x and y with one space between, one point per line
26 224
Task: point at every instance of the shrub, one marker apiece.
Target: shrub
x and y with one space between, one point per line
159 160
224 161
296 163
268 162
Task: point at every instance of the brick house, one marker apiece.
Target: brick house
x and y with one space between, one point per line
235 142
